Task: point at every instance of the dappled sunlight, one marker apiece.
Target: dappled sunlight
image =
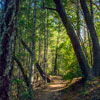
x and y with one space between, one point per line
57 85
49 49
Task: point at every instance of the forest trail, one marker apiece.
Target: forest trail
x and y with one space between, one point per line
52 90
60 89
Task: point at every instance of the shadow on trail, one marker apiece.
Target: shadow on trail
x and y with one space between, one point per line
53 90
60 89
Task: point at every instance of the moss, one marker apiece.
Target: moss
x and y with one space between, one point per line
7 70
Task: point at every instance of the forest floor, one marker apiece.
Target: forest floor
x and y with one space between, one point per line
60 89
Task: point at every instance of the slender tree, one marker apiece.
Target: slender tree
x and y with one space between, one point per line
78 19
45 49
31 73
56 58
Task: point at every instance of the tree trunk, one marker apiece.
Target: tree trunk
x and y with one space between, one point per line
91 9
55 66
75 42
96 48
31 72
56 55
78 19
42 73
26 79
45 47
89 38
28 49
7 45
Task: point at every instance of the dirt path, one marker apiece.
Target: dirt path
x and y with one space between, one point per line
52 90
74 90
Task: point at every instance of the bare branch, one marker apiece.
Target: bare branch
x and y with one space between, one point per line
96 6
50 8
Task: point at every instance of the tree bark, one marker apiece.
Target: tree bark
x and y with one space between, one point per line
31 72
7 45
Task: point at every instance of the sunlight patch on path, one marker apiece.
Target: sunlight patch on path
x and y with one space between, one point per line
51 91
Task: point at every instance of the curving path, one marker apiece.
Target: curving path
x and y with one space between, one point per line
52 90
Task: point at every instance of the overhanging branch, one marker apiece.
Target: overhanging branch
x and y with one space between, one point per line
50 8
22 70
36 64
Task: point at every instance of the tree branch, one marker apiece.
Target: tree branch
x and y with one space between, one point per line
50 8
23 71
37 65
96 6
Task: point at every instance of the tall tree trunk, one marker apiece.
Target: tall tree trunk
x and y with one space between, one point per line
55 65
7 45
31 72
56 56
40 38
96 48
45 44
75 42
45 53
78 19
89 38
91 51
91 9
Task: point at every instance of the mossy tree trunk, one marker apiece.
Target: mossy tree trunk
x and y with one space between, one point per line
7 45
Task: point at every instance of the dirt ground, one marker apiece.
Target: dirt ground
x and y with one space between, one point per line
60 89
